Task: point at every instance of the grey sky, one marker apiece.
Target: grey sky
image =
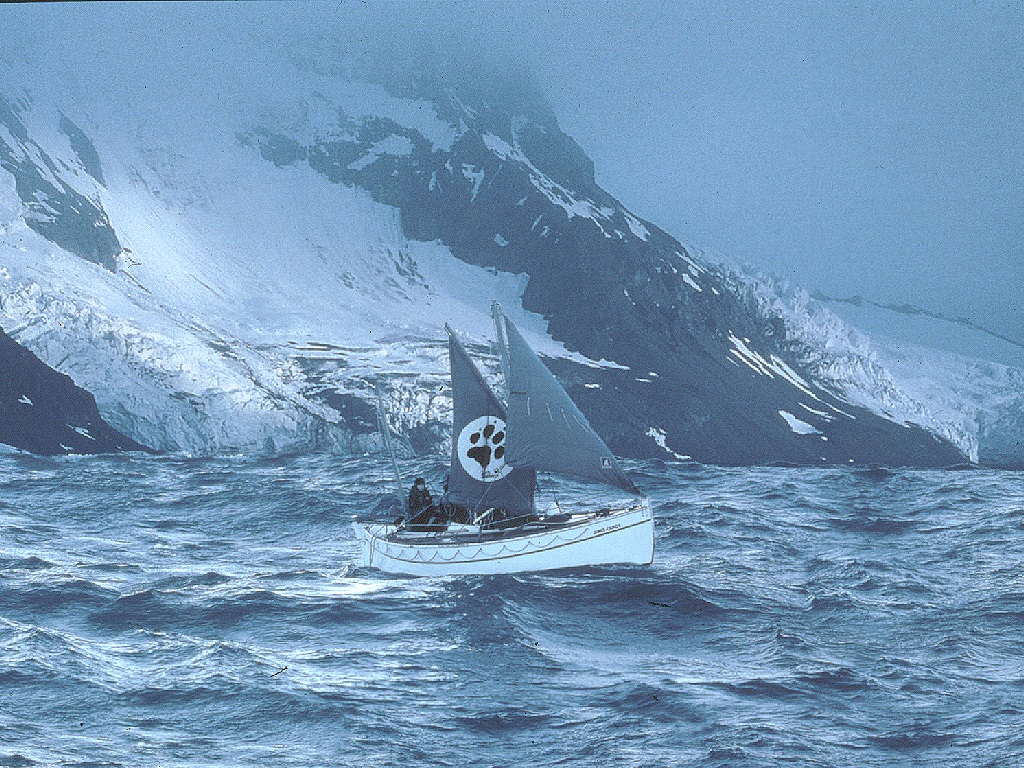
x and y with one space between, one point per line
871 148
862 149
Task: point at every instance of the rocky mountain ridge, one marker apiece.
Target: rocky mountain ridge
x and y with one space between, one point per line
247 287
700 369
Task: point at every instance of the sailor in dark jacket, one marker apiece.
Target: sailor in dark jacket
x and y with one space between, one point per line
419 497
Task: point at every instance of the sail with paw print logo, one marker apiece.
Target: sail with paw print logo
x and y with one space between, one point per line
480 476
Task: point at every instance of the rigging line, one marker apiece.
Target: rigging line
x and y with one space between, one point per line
385 430
490 487
479 504
558 504
487 489
526 498
499 328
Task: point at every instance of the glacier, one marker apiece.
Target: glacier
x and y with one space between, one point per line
957 381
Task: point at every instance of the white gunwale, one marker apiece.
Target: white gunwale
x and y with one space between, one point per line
623 536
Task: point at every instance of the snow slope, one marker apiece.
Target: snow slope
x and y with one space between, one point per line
966 375
955 380
242 289
231 265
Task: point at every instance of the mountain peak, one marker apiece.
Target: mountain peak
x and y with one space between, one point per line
275 265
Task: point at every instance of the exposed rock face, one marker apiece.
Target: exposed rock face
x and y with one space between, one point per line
701 371
672 356
58 212
42 411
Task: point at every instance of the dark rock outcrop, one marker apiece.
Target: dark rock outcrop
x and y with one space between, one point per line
42 411
53 208
708 374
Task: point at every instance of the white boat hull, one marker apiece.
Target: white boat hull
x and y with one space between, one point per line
621 537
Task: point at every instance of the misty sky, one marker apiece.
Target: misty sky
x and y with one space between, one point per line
857 148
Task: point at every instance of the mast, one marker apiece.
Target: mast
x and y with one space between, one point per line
499 329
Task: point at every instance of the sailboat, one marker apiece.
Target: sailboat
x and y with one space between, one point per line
488 521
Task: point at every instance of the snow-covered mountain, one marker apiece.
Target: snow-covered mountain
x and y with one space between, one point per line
971 380
236 268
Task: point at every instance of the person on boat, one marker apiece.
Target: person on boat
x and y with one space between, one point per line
424 513
419 497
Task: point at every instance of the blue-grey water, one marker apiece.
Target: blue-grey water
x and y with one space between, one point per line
175 612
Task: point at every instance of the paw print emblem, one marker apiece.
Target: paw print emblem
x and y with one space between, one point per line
481 449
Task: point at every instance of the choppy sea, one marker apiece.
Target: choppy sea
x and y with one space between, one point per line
179 612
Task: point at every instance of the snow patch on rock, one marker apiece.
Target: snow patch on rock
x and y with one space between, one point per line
660 438
799 426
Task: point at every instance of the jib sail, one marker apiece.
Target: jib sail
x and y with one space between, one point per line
546 431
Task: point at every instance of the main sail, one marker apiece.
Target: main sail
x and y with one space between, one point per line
546 431
480 475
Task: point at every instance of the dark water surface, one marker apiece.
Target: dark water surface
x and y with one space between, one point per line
162 611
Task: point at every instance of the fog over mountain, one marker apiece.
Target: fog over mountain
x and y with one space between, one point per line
231 222
873 149
869 148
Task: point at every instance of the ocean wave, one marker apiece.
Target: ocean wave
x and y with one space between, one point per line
210 611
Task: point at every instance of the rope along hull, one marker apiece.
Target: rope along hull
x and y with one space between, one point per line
622 537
